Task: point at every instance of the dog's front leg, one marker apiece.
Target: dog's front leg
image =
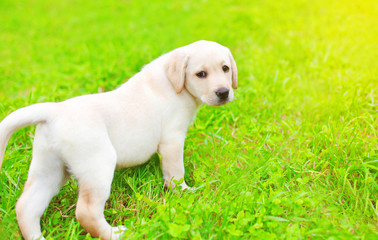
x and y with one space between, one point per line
173 162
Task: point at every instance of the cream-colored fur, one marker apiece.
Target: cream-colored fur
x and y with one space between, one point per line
90 136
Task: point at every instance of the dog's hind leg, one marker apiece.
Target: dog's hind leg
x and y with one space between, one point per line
47 174
94 190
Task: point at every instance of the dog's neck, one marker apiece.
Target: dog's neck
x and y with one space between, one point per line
197 101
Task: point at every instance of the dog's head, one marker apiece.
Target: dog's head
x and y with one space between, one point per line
207 70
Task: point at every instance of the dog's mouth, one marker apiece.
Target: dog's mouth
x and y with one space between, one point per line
223 102
215 102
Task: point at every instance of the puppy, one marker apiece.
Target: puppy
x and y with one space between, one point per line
92 135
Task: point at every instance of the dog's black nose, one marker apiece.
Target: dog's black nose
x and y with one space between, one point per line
222 93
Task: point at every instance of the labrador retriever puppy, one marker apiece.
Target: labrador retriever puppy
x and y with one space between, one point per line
92 135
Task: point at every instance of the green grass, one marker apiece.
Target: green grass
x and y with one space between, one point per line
294 156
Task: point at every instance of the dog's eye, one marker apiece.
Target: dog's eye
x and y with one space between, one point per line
225 68
201 74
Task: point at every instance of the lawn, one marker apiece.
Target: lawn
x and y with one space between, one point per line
294 156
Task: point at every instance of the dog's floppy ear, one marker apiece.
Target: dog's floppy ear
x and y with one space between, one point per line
234 70
176 70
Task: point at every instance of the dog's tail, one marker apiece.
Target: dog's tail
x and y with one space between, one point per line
20 118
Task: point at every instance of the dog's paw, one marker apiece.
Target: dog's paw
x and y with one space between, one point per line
117 232
184 186
191 189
